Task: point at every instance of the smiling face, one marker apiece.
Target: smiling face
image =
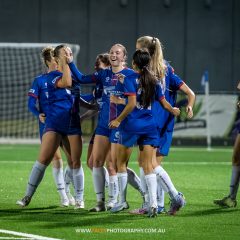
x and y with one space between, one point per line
117 56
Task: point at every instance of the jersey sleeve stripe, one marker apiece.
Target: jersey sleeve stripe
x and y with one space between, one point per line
55 84
130 94
179 86
32 95
161 98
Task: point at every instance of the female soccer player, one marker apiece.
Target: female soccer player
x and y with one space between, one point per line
171 83
102 62
230 200
62 126
106 139
38 93
140 126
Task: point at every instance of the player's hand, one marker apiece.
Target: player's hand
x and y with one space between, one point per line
238 104
114 124
42 117
69 54
189 112
121 77
176 111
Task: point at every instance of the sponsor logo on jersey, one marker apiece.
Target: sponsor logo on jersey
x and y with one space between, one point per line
117 135
55 79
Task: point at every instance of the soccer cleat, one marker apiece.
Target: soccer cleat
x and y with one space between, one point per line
100 207
160 210
110 204
79 204
176 204
71 199
226 202
139 211
64 202
152 212
24 202
119 207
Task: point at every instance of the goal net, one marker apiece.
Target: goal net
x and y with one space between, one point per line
20 63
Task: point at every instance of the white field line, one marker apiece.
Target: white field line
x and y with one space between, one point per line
28 236
173 149
176 149
135 162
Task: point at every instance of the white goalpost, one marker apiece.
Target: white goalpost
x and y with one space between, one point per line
20 63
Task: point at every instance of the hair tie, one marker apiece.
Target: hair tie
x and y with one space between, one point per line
153 39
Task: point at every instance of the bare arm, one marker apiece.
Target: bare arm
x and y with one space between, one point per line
166 105
191 99
117 100
128 108
66 80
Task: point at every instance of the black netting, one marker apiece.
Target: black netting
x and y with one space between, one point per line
19 65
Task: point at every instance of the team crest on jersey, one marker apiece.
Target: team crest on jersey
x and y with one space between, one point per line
107 79
32 90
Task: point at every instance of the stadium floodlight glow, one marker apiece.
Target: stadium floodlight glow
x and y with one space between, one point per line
166 3
20 63
208 4
123 3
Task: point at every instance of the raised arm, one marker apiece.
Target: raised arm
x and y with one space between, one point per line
66 80
78 76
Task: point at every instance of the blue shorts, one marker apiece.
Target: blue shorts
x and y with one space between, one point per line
165 143
112 134
75 125
129 139
70 126
58 122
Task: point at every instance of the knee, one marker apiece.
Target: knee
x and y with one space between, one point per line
98 163
111 170
90 164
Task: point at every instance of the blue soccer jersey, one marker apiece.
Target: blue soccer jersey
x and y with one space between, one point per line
164 119
140 125
141 118
110 86
60 105
39 93
172 85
